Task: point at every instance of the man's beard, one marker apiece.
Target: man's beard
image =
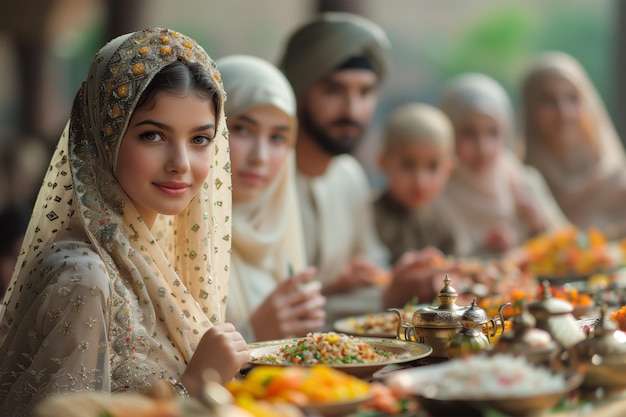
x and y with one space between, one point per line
332 145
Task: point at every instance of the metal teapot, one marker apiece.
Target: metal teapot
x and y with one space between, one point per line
436 325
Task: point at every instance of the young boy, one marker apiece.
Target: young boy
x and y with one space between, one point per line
417 158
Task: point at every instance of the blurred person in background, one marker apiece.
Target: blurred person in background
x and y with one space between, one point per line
336 64
417 158
571 140
271 293
498 201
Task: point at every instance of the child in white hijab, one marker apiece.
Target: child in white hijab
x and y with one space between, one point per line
498 201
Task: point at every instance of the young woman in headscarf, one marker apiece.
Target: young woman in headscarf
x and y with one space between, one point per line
497 201
571 140
122 276
271 291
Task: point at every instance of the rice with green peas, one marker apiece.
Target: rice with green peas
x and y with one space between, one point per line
328 348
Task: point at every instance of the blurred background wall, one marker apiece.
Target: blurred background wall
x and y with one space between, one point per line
46 46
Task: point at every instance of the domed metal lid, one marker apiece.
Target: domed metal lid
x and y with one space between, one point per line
446 314
474 316
548 305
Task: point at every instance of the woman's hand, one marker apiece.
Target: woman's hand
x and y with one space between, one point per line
360 272
221 348
414 276
500 239
294 308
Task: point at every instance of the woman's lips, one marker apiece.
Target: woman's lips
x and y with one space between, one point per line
252 178
172 189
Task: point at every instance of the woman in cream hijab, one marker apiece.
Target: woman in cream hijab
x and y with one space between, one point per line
266 299
122 276
571 140
497 201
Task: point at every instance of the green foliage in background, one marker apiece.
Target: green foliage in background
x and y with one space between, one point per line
502 43
496 45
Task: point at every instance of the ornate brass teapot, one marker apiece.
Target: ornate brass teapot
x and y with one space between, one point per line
436 325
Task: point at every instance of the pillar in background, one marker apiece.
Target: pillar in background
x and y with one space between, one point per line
619 71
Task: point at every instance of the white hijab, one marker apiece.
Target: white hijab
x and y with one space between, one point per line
592 194
267 236
481 202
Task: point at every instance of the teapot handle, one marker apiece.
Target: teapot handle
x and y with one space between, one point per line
500 319
404 328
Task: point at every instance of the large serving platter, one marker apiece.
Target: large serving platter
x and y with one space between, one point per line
386 324
382 324
402 350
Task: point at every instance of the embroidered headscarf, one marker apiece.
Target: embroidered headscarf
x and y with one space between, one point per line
267 235
590 192
166 286
326 43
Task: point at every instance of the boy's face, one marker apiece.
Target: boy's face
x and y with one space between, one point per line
416 172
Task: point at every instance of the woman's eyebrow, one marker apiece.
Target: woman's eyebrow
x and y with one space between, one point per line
209 126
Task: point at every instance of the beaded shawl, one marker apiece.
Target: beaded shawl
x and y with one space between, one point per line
99 301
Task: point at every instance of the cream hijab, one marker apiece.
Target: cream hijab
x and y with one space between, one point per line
591 193
168 284
267 236
483 201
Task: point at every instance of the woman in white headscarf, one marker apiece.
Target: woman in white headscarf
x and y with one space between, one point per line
271 294
122 277
497 201
571 140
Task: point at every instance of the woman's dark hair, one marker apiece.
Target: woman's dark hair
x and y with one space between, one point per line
180 78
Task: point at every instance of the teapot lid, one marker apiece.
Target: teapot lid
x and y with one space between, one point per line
446 314
548 305
474 315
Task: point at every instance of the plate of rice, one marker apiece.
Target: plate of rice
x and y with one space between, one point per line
509 384
358 356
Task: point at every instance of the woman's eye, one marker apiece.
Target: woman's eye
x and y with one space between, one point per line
151 136
239 128
278 138
201 140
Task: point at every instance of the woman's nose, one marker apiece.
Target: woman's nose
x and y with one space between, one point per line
178 159
259 153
